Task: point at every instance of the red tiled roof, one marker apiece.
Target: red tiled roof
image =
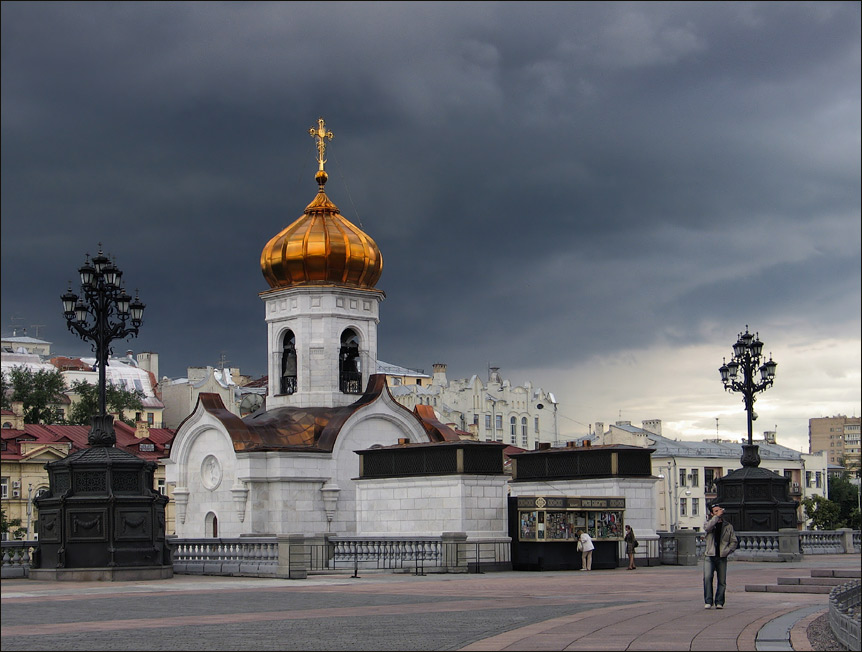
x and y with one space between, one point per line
77 436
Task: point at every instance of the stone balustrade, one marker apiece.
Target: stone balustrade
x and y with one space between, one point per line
297 555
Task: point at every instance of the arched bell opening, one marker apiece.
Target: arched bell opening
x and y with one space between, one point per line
287 384
349 367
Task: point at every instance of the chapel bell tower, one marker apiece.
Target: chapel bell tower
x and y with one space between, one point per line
322 309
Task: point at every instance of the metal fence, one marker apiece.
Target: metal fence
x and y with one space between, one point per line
844 614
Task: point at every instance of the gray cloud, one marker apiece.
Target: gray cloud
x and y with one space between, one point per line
547 182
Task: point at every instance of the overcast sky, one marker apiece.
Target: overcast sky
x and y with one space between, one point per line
595 197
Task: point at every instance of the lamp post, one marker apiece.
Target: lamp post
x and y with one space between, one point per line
662 476
101 511
739 376
104 312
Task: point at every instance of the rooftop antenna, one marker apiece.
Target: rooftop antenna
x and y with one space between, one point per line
222 359
717 440
36 328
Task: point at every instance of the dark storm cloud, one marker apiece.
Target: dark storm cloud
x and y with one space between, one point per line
547 181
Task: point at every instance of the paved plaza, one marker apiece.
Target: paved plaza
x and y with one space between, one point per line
651 608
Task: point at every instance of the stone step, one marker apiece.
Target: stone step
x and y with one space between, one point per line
846 573
788 588
811 581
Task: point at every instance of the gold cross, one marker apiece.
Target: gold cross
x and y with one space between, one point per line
321 135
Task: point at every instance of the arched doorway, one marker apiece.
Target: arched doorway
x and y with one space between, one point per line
211 525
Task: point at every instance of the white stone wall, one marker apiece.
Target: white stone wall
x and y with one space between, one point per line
204 494
318 316
640 510
431 505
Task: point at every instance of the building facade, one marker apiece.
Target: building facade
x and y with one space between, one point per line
26 448
492 410
687 470
838 437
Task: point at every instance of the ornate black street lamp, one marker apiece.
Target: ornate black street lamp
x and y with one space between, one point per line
103 313
101 518
754 498
739 376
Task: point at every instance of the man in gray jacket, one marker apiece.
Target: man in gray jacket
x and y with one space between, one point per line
720 542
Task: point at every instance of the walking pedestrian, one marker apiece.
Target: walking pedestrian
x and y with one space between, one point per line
720 542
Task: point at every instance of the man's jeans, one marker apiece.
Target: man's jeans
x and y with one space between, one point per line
714 566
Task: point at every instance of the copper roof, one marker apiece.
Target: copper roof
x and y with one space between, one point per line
311 429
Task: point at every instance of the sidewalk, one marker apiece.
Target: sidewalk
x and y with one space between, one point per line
652 608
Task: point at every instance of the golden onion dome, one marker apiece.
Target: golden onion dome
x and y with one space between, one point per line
322 247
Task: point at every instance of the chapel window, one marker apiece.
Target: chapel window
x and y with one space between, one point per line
349 371
288 363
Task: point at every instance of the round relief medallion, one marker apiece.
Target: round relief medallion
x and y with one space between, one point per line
210 472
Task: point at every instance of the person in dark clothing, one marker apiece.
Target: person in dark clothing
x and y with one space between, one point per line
631 543
720 542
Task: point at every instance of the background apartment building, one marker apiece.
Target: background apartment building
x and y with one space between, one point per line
838 436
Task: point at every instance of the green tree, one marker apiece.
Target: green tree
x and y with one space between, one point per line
37 391
5 395
824 514
845 494
117 401
11 527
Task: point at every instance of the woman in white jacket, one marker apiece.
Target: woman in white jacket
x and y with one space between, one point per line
585 545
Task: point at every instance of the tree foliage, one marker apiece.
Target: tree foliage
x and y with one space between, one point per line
824 514
5 394
117 401
11 527
38 392
845 494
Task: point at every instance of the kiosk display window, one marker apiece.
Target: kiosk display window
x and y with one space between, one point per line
558 518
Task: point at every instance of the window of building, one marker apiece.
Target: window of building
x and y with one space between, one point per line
682 478
487 422
817 479
683 507
695 477
151 419
808 478
160 485
498 422
147 448
709 476
536 425
513 428
4 487
695 506
513 439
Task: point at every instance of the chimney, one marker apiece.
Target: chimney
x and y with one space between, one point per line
439 378
142 429
653 426
571 444
587 443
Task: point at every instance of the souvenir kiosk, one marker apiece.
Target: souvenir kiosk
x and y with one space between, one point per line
557 491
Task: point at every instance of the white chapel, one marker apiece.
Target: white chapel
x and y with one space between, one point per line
291 467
